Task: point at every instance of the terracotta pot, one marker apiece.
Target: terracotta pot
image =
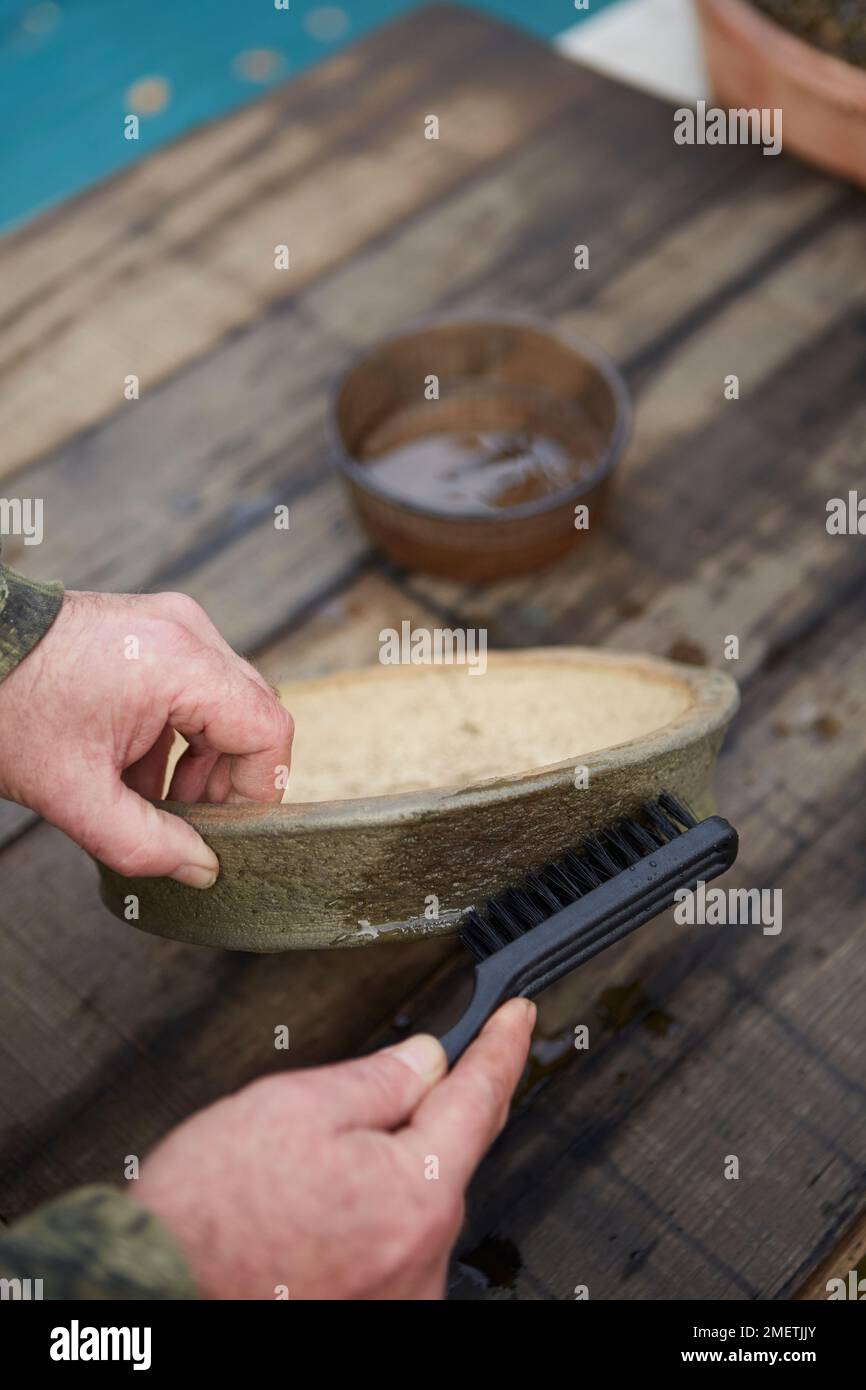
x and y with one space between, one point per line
349 872
754 62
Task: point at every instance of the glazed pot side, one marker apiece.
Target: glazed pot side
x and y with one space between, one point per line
351 873
475 551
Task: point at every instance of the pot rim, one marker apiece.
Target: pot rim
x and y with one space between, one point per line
607 369
715 701
837 81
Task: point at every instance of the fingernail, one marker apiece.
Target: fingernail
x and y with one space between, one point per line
422 1054
531 1012
195 875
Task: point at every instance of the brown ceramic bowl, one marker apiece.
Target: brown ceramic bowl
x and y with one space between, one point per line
508 376
754 62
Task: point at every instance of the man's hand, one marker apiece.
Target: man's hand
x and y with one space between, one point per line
88 718
343 1182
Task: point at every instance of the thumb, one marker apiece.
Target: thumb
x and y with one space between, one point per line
136 839
380 1091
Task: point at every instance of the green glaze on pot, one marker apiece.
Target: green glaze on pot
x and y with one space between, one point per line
349 873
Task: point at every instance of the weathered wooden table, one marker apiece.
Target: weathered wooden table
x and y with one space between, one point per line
704 262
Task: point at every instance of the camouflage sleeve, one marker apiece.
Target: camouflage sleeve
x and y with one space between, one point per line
27 610
93 1243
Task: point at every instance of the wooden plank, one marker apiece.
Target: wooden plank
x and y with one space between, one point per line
343 632
163 484
848 1255
267 580
151 269
14 820
758 334
507 237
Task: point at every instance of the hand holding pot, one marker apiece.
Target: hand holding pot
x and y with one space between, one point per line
88 718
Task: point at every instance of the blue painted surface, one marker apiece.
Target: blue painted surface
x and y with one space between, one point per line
66 67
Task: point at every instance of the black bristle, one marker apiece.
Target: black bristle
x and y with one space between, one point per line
561 883
600 859
580 870
625 850
664 827
583 876
525 911
677 809
474 934
506 918
639 837
542 892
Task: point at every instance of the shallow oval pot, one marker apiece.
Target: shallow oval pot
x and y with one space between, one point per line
505 769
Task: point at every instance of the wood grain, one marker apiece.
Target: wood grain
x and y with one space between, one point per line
848 1254
153 268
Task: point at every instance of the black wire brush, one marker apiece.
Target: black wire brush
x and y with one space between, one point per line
560 916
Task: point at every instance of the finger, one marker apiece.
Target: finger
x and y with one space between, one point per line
458 1121
127 833
380 1091
190 778
187 611
426 1284
219 785
147 775
225 711
429 1284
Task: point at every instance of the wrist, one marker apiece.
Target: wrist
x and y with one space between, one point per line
164 1202
27 610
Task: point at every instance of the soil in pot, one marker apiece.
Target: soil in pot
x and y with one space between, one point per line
835 26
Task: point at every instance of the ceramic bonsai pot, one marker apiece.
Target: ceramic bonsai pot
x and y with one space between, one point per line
468 780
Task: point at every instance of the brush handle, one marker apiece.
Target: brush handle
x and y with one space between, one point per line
588 926
486 998
492 989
